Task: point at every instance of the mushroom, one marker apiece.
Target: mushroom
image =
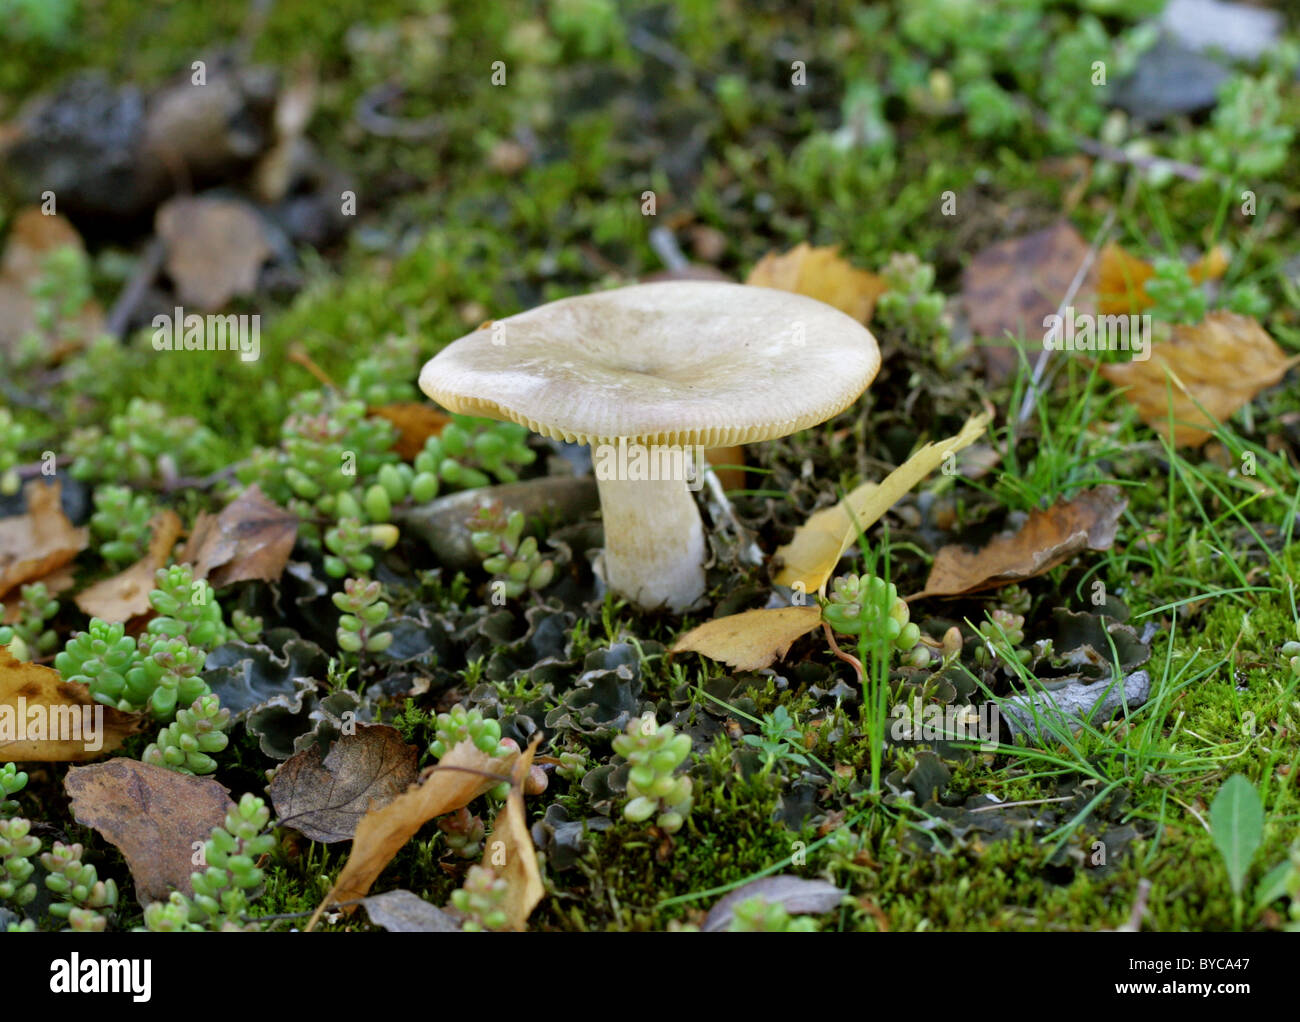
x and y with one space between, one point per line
645 373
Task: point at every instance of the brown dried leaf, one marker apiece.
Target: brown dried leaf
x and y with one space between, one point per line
415 422
1048 538
126 595
83 728
250 540
509 851
403 912
40 541
154 816
215 248
820 273
1220 363
1122 277
456 781
326 798
1014 285
751 640
810 557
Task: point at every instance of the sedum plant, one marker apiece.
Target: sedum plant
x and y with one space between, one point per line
187 744
28 635
482 900
655 753
84 900
12 781
143 446
363 612
461 725
1002 623
187 608
121 523
17 847
231 881
512 558
13 435
869 607
758 915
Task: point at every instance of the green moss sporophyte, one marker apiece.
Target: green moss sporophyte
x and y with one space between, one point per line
655 370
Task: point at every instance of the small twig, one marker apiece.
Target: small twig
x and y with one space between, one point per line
666 248
146 270
653 46
1134 923
1040 366
297 353
386 126
848 658
1026 802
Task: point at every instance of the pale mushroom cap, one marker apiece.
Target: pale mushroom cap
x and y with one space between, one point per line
677 363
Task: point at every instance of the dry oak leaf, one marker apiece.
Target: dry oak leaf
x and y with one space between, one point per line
40 541
1048 538
810 557
126 595
1122 277
463 775
415 422
1219 364
1012 286
509 851
751 640
46 719
325 798
215 248
154 816
822 274
250 540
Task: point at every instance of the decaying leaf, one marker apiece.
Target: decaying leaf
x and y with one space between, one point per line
509 851
821 273
250 540
799 896
33 237
751 640
215 248
1122 277
40 541
326 798
126 595
403 912
416 421
153 815
46 719
1048 538
1220 363
463 775
809 559
1012 286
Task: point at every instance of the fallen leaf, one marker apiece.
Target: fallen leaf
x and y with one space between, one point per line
152 815
456 781
1048 538
509 851
215 248
822 274
326 798
40 541
1220 364
250 540
810 557
751 640
1122 277
126 595
415 421
797 895
1012 286
403 912
33 236
46 719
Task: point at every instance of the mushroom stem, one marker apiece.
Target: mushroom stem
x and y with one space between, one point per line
654 541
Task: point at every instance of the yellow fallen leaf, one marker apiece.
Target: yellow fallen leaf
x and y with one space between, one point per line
1122 277
126 594
509 851
809 559
751 640
46 719
461 776
1219 364
822 274
40 541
